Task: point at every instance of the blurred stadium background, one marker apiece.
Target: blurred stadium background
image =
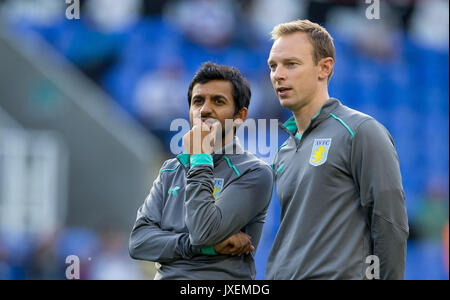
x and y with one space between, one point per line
86 105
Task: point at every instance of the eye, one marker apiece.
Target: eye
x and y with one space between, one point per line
219 101
197 101
272 67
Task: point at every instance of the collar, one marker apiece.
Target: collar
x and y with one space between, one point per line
330 105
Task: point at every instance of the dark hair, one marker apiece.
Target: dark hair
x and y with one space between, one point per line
211 71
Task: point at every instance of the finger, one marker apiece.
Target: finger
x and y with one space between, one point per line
215 126
225 250
248 248
205 127
247 245
197 121
251 249
243 234
236 251
237 122
213 133
243 248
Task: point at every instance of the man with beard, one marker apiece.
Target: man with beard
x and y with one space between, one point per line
204 215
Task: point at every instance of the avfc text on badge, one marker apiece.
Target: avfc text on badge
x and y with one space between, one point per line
225 290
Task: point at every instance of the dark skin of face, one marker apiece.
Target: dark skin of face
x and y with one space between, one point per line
211 103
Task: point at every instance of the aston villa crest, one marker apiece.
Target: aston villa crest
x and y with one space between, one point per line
319 152
218 186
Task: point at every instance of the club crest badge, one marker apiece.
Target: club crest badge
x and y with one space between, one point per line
218 186
319 152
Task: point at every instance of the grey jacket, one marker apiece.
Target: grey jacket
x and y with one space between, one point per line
341 196
195 203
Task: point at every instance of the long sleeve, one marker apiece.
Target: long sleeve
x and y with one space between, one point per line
211 220
376 170
148 241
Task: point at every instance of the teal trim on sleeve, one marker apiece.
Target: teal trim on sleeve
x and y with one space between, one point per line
343 123
183 158
209 251
201 159
165 170
232 166
298 135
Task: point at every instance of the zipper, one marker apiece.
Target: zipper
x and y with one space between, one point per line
303 135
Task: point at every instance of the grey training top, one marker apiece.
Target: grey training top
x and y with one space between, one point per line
195 203
341 196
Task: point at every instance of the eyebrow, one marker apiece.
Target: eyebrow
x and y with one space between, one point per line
220 96
292 58
214 96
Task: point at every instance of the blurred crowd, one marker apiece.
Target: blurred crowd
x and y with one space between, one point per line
102 255
144 54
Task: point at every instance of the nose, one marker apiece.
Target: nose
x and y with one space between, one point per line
279 74
206 109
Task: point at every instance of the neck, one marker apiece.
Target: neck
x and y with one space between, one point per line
304 114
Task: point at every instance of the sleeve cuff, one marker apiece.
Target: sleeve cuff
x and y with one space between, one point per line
201 159
209 251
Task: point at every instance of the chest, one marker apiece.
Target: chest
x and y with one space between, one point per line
173 212
319 164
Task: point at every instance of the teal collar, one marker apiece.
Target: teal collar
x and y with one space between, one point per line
292 126
323 112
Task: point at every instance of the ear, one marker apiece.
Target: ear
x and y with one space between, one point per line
325 67
242 114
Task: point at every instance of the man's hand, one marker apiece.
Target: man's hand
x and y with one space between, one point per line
236 244
201 138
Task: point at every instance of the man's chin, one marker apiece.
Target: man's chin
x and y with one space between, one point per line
287 103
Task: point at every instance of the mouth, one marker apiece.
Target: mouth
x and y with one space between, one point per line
209 121
283 91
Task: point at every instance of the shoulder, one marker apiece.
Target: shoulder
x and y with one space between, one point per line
365 129
356 122
169 166
250 164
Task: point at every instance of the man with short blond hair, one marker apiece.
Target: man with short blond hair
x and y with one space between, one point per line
337 176
320 39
